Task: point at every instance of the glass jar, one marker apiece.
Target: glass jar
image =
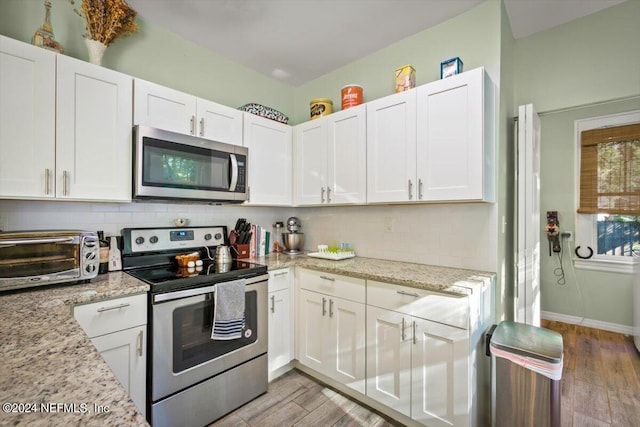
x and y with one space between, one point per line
276 238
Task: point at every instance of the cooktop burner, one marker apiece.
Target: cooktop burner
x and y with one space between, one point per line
149 255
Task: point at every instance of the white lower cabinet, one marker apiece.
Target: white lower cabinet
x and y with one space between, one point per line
280 349
331 327
118 328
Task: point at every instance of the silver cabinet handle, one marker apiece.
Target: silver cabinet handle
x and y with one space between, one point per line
328 195
419 189
411 294
47 183
192 125
202 126
324 310
65 183
414 331
284 273
330 308
140 343
248 193
410 190
115 307
273 303
322 195
331 279
402 335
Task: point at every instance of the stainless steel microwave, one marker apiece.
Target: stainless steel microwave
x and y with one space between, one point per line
173 166
35 258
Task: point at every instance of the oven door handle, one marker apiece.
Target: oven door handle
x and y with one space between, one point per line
170 296
36 241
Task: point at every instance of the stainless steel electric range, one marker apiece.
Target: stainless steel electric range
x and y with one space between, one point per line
192 379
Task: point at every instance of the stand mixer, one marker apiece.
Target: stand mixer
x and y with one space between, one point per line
293 240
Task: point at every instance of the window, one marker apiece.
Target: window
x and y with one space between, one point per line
608 220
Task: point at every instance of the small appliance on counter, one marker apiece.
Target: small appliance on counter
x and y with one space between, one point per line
29 259
293 240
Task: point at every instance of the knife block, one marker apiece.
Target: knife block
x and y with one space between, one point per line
242 251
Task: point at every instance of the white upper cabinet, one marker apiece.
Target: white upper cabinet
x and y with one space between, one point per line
93 132
169 109
391 148
433 143
270 161
330 159
27 111
455 138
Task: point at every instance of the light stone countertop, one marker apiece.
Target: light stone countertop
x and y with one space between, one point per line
47 358
428 277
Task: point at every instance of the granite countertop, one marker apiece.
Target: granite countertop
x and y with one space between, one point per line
48 359
429 277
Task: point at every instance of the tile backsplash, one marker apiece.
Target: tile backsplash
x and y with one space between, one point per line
453 235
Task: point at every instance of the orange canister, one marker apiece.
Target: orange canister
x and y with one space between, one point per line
320 107
351 96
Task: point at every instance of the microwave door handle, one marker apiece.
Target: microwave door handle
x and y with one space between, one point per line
36 241
234 172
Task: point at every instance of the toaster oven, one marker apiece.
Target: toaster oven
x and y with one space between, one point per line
34 258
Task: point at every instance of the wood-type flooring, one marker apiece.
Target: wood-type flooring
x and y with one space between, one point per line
600 387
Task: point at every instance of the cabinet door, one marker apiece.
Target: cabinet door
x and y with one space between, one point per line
440 374
279 330
310 166
219 122
391 148
163 108
346 351
93 131
347 156
451 137
27 108
125 353
270 161
313 331
389 359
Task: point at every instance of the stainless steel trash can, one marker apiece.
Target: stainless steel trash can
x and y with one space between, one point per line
526 366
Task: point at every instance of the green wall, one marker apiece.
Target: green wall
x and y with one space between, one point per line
566 72
152 54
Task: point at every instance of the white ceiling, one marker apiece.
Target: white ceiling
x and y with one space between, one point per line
297 41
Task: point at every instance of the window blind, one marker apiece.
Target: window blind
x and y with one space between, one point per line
610 170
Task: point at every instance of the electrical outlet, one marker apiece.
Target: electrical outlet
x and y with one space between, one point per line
568 235
388 225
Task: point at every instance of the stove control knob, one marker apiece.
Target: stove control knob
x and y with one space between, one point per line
139 240
90 268
153 239
207 236
218 236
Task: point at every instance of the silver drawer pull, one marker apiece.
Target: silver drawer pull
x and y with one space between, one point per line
410 294
273 303
115 307
330 308
322 195
402 335
331 279
140 343
324 310
414 331
281 274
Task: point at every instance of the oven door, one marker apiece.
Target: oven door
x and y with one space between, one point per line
183 352
170 165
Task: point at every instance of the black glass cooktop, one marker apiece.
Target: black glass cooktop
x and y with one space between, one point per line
172 277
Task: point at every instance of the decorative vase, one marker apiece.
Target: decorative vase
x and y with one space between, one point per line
96 50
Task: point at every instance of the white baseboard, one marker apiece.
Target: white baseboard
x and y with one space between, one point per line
596 324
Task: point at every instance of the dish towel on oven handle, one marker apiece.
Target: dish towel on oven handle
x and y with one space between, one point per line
228 310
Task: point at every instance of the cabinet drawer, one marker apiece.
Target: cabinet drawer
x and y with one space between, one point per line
279 279
448 309
104 317
336 285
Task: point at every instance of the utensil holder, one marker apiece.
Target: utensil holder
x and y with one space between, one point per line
242 251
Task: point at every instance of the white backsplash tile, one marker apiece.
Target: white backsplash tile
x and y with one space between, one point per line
454 235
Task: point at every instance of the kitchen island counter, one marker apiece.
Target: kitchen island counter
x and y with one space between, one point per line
52 373
421 276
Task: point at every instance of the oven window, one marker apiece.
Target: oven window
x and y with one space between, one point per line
168 164
37 259
192 343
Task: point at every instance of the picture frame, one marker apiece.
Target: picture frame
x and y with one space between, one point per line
450 67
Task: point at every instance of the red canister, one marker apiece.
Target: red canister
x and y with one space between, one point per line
351 96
